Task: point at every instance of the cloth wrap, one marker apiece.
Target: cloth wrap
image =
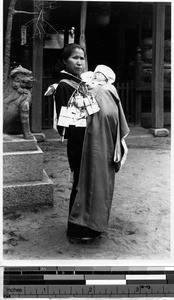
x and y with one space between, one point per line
102 144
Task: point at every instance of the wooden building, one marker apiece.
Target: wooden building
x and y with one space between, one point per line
121 35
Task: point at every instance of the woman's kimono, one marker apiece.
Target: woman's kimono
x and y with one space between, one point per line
102 151
75 135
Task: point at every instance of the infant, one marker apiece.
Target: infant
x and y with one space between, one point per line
101 75
105 77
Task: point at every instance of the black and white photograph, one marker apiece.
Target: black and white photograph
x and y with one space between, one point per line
86 149
86 130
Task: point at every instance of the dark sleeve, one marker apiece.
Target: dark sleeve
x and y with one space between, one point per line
62 96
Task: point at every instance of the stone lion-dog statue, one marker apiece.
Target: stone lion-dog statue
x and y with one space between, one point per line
17 100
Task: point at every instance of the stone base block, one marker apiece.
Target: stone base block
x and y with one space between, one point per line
159 132
40 137
23 166
27 195
12 143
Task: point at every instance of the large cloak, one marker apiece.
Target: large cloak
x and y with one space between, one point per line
102 143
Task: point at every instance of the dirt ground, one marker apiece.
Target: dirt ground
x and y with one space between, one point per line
139 225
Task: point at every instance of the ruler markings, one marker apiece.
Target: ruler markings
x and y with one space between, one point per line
91 281
119 289
122 274
91 268
51 270
169 288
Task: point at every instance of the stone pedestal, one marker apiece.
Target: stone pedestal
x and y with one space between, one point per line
25 183
159 132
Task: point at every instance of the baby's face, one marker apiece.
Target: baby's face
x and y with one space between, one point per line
98 76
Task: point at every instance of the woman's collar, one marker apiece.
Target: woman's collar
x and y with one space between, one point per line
63 71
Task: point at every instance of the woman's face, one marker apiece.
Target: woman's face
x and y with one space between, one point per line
75 63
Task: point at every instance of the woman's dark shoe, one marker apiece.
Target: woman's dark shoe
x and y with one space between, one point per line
79 231
76 240
82 240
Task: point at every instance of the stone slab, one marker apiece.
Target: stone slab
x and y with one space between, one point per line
40 137
159 132
27 195
12 143
23 166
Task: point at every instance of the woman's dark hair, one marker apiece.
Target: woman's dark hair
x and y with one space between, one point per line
68 49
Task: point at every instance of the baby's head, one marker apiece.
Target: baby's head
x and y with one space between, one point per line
99 78
103 74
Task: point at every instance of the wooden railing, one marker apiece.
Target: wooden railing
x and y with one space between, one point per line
125 91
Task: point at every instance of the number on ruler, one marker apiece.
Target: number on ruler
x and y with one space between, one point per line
90 290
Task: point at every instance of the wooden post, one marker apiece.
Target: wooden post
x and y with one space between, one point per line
36 109
138 91
82 40
158 70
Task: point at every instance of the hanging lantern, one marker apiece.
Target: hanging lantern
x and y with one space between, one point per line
23 35
71 35
54 40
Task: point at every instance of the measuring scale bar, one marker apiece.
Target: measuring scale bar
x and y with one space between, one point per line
58 282
103 290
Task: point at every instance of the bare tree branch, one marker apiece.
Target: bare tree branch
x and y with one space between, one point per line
25 12
39 29
50 26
